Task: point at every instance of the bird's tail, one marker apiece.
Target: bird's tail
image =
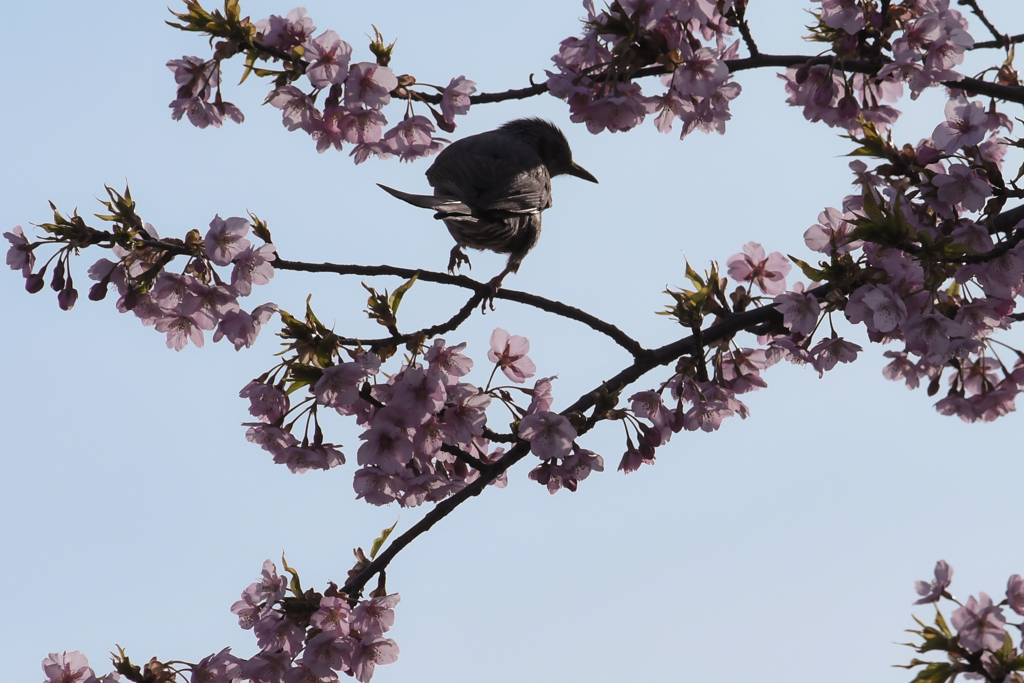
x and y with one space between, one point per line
444 206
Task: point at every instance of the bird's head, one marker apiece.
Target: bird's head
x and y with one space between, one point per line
551 145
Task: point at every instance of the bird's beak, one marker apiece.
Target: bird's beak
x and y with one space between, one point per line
581 172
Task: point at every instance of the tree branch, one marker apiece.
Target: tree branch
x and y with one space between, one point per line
481 289
650 360
973 4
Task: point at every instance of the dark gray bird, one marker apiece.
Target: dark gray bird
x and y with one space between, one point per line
490 189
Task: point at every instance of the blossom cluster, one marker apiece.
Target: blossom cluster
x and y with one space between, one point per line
922 39
306 638
181 305
929 275
425 432
354 94
595 73
981 647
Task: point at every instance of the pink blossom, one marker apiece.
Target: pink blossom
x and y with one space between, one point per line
1015 594
846 15
184 326
376 487
1002 276
928 335
286 32
225 239
450 363
799 311
253 266
712 112
364 125
374 617
965 124
741 371
275 632
368 653
271 439
412 138
542 397
270 587
20 255
200 112
931 592
831 232
298 111
983 316
328 652
880 307
509 352
829 352
465 417
332 616
194 75
370 84
962 186
455 99
980 625
419 393
241 328
767 272
338 386
701 73
68 667
328 56
267 667
650 406
248 608
222 667
616 113
903 368
301 459
266 403
387 443
550 434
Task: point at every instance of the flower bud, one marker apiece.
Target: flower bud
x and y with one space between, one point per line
35 282
98 291
67 298
57 283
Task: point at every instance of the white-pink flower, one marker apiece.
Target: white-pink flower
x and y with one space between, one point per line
509 352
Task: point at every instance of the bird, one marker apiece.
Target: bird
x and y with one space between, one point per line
491 188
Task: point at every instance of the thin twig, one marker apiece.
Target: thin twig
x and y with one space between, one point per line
973 4
481 289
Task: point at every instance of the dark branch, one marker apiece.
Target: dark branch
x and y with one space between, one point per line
973 4
481 289
1004 41
650 360
759 61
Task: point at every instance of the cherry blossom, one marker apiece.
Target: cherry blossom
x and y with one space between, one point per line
509 352
980 624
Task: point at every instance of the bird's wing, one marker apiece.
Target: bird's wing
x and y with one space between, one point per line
492 172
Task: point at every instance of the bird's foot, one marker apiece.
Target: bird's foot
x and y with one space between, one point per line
492 286
457 258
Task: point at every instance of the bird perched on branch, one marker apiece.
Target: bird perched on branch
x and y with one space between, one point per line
490 189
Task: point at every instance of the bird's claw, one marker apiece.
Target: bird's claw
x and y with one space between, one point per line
492 288
457 258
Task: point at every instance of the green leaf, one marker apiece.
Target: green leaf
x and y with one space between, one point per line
379 541
396 297
936 672
810 272
940 621
294 584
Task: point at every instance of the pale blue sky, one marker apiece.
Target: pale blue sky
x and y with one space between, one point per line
782 548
